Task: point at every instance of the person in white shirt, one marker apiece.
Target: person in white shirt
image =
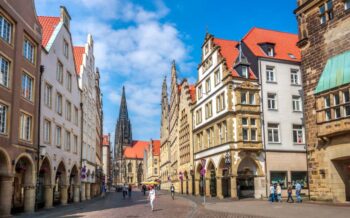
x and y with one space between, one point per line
152 196
272 193
279 193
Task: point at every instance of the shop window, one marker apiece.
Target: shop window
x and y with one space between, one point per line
300 177
279 177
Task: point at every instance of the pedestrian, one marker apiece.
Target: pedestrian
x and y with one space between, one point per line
298 192
172 190
272 193
152 197
279 192
144 189
290 192
275 195
129 190
125 191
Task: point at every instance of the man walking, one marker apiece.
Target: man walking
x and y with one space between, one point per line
125 191
172 190
298 192
290 192
272 193
130 190
144 189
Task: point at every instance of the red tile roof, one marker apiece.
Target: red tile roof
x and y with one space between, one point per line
285 43
136 150
48 27
78 57
156 147
229 51
193 93
106 140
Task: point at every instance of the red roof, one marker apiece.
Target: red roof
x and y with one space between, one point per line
106 140
285 43
229 51
48 27
193 92
156 147
136 150
78 57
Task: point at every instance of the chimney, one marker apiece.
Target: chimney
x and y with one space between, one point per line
65 17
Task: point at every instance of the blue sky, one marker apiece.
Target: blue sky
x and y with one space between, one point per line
135 42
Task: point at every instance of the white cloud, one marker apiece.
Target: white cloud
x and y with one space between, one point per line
137 54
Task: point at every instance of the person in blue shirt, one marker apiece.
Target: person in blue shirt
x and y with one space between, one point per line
298 192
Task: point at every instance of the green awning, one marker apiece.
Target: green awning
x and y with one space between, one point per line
336 73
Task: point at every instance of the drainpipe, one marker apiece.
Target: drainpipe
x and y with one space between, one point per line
263 124
42 69
81 140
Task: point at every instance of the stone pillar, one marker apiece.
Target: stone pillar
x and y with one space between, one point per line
234 188
6 188
88 191
48 196
64 194
190 186
76 193
83 188
29 198
207 187
196 188
219 187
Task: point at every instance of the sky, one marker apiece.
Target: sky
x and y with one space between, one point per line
136 41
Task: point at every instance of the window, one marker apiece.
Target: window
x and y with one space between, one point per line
69 81
59 73
68 110
47 131
58 136
25 127
279 177
326 11
207 85
336 100
327 102
27 86
273 132
76 116
48 95
5 29
296 103
65 48
294 77
245 129
347 4
243 97
220 102
346 96
75 148
251 98
199 116
244 121
298 134
3 118
270 52
245 73
300 177
208 110
67 140
200 92
59 103
28 50
155 171
217 77
252 121
4 71
272 101
155 161
270 74
253 134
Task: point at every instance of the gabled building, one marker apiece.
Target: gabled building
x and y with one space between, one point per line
325 50
20 55
85 68
228 149
151 162
275 59
60 127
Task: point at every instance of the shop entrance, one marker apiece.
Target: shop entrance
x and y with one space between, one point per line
247 170
343 168
226 184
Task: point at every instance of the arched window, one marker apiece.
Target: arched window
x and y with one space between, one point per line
129 167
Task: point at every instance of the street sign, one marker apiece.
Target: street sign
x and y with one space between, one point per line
203 162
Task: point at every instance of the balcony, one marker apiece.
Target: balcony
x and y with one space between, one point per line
334 127
250 145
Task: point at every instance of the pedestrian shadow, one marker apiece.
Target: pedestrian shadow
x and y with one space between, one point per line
155 210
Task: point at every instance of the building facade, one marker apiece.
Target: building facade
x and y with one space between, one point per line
106 160
85 68
20 55
60 129
228 150
152 161
325 49
275 58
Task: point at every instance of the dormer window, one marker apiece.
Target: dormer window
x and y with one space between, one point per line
245 72
291 56
270 52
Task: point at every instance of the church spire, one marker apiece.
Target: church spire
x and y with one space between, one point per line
123 111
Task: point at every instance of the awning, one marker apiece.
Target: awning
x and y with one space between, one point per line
335 74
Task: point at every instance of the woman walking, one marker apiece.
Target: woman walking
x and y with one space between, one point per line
152 196
279 192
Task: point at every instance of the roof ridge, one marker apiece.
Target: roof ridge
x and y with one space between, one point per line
49 16
267 29
230 40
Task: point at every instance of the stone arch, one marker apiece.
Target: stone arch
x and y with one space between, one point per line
74 184
24 183
198 170
210 166
252 160
211 179
224 173
5 163
45 180
61 183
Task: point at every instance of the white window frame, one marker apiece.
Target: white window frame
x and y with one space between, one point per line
58 136
273 131
251 98
244 97
59 102
200 93
47 131
255 134
272 101
294 77
245 72
4 109
207 85
48 95
299 133
4 71
69 81
27 86
270 52
270 74
67 140
296 103
217 77
65 48
59 72
26 123
68 110
28 50
5 29
75 141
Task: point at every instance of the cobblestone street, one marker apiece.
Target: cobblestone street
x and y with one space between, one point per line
113 205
